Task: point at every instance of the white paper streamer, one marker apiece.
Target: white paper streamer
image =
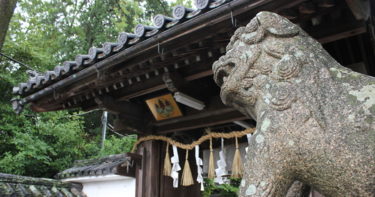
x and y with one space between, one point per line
199 164
175 167
249 136
221 166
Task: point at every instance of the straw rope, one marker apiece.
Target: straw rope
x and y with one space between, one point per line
167 163
187 177
211 163
233 134
237 166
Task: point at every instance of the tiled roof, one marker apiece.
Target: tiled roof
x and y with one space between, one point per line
125 40
13 185
95 167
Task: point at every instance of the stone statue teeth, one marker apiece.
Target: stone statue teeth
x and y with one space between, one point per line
315 118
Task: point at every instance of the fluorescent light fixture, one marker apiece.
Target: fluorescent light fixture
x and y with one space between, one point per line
242 124
189 101
246 126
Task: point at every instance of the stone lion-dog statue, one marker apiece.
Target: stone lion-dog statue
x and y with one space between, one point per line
315 118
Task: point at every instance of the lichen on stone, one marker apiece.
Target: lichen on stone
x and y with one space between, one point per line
366 96
252 189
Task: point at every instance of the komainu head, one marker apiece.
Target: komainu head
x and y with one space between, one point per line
262 61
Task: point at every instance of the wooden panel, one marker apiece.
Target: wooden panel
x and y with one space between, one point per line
164 107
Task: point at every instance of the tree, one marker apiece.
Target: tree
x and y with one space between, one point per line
42 34
6 11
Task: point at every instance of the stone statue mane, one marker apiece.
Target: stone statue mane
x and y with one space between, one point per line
315 118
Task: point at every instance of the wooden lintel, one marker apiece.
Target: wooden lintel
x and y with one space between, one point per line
126 124
203 114
342 35
199 75
205 119
162 86
117 107
173 81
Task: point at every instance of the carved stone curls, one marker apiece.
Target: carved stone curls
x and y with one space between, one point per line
315 118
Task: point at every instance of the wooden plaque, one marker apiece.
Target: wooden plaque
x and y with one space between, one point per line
164 107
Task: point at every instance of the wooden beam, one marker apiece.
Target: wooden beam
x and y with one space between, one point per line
287 5
342 35
153 88
204 119
325 33
199 75
173 81
116 107
182 55
203 114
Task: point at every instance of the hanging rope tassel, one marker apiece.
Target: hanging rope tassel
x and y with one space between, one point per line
167 163
237 168
211 164
187 177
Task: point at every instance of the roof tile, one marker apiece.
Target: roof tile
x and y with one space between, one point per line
20 186
180 14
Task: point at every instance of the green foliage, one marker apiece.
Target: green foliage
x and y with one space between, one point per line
43 34
227 190
41 144
115 145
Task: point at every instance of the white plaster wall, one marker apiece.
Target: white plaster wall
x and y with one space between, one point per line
107 186
119 188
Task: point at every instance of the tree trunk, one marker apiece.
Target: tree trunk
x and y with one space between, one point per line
6 12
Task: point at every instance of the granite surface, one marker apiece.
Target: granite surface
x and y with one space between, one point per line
315 118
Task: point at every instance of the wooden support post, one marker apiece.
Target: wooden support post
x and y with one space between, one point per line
148 178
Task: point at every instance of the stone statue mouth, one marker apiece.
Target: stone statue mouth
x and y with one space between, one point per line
225 98
222 71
